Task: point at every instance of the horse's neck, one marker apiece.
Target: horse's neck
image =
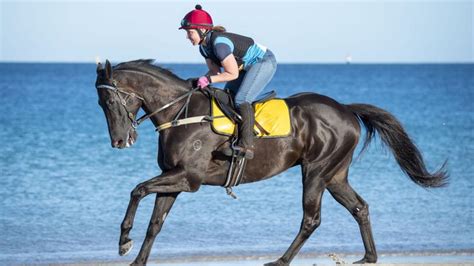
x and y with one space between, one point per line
157 92
160 95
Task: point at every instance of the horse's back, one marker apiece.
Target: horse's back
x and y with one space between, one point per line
314 100
322 107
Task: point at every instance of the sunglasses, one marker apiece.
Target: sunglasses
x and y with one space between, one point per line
185 23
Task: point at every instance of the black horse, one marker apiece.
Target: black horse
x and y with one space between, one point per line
324 136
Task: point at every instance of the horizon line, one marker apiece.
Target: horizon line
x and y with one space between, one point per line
279 63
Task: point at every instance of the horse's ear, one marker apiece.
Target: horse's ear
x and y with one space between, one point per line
108 69
99 67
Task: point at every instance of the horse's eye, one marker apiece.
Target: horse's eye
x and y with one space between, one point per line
110 102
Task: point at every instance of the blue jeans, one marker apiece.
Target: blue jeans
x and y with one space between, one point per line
251 82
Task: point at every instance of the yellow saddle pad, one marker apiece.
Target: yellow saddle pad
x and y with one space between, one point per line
273 116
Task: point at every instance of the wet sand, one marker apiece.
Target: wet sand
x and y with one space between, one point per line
455 258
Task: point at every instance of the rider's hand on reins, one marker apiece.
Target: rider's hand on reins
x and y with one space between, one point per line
203 82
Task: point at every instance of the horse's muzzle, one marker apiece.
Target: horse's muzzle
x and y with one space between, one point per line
127 142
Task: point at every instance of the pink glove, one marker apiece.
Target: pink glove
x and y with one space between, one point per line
203 82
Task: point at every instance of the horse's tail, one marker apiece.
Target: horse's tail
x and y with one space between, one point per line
394 136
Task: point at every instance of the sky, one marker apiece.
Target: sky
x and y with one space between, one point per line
296 31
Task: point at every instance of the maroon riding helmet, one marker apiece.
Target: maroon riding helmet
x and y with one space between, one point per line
197 19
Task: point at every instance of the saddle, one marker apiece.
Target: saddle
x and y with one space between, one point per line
272 116
272 119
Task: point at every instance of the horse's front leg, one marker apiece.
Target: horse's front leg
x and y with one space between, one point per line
163 204
176 180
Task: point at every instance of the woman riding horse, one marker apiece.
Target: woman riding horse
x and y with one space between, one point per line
248 68
325 135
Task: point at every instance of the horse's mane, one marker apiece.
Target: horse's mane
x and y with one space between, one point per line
147 66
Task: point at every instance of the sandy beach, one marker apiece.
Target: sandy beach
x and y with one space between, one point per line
386 259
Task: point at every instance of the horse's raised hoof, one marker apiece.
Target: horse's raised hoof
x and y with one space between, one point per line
125 248
277 263
365 260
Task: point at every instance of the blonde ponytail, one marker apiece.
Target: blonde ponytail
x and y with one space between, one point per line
219 28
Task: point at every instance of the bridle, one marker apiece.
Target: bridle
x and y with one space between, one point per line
123 101
137 122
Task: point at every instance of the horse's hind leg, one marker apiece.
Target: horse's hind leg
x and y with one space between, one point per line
346 196
313 188
163 204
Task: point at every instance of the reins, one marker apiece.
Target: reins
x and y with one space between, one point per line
187 94
174 123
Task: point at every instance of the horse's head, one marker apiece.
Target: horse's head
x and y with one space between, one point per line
120 105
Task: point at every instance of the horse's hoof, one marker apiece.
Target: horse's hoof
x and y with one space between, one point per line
125 248
366 260
277 263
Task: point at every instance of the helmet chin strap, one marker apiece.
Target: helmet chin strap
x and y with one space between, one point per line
202 35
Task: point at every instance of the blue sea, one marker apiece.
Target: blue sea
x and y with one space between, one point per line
64 190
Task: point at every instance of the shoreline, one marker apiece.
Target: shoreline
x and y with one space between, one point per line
306 259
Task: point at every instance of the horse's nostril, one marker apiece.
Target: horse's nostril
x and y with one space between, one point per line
117 143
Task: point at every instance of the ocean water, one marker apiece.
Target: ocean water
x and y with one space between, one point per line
64 190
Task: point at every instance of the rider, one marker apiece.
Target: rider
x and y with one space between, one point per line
247 67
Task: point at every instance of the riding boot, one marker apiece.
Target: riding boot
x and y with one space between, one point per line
246 129
244 146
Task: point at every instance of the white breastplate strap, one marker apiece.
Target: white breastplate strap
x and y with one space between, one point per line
184 121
